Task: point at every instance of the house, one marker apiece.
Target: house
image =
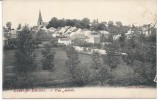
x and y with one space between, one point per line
104 32
52 29
62 30
75 31
68 30
9 37
54 35
81 37
94 39
100 51
85 32
13 34
65 41
78 48
5 40
129 33
57 33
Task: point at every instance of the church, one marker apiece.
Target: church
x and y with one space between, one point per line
40 27
40 21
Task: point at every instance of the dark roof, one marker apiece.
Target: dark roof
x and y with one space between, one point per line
75 30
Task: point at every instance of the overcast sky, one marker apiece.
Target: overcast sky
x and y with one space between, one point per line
126 11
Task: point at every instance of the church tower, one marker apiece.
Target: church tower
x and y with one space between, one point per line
40 21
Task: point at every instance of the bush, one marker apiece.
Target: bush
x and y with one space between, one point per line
24 54
48 61
79 74
103 75
9 46
82 75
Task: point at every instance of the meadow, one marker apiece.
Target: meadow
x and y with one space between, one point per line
60 77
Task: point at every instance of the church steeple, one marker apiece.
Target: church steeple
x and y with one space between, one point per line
40 21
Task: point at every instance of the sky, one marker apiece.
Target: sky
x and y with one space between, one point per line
127 11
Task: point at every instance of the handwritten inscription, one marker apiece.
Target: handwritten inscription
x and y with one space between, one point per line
58 90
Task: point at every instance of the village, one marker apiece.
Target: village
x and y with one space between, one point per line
67 35
96 45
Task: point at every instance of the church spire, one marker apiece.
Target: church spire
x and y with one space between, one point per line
40 21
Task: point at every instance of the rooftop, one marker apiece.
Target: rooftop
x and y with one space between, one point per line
79 36
65 39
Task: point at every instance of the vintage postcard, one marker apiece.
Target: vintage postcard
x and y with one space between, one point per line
79 48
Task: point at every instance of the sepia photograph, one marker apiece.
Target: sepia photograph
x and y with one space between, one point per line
79 48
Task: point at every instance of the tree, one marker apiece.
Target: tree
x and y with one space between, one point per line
102 26
48 61
96 63
110 23
141 55
19 27
8 25
53 23
122 40
119 24
101 71
112 57
79 74
99 26
73 61
41 35
85 23
24 55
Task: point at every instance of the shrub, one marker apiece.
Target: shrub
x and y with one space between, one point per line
48 61
79 74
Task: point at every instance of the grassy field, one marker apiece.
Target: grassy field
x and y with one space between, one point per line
60 74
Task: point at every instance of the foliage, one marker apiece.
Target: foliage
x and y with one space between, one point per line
112 57
9 47
96 63
141 55
54 22
82 75
101 72
48 61
8 25
79 74
24 54
19 27
99 26
41 35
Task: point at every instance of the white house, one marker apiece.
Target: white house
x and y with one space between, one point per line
78 48
104 32
101 51
52 29
66 41
85 32
55 35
